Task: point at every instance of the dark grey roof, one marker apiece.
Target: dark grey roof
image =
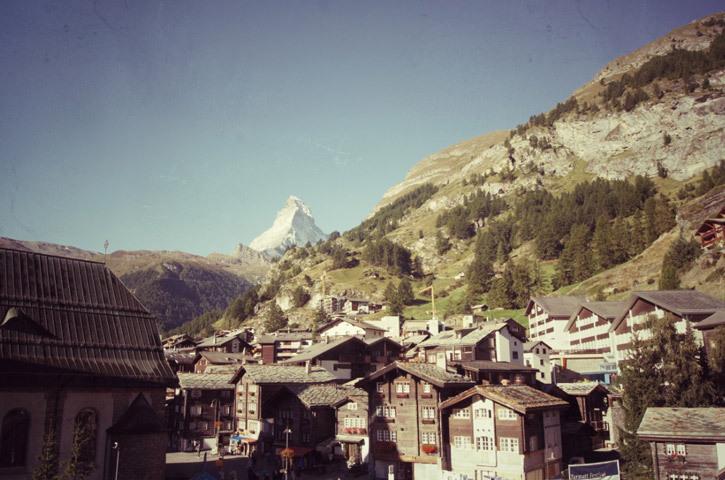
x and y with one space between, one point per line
560 307
521 398
225 358
276 373
317 349
606 310
75 318
318 395
714 320
682 303
490 365
206 381
694 423
426 371
217 341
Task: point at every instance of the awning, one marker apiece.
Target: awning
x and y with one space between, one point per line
296 451
350 439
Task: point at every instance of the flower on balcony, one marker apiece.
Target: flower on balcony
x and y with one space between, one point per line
429 448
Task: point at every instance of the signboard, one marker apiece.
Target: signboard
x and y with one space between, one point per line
595 471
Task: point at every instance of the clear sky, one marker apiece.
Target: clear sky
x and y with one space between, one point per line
185 124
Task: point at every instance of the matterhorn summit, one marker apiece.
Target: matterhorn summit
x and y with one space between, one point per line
294 225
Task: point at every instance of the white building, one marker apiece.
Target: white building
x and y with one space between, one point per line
683 305
548 317
349 327
537 354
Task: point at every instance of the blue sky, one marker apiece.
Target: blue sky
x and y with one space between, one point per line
184 125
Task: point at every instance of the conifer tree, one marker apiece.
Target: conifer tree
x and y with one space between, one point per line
479 275
47 467
669 278
405 292
395 305
602 243
275 318
442 243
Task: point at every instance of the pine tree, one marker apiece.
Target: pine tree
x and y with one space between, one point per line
602 242
669 278
47 467
395 305
716 363
523 284
501 293
620 241
479 275
405 292
275 318
442 243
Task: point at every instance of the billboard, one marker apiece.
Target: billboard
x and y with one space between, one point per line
595 471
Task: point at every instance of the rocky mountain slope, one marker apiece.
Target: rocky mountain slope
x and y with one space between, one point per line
293 225
658 112
174 286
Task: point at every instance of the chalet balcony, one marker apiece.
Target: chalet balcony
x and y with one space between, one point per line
428 421
402 395
354 431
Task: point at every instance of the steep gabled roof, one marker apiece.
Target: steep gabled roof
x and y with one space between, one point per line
425 371
606 310
529 346
491 365
276 373
686 423
217 341
325 395
521 398
376 340
225 358
560 307
85 323
320 348
682 303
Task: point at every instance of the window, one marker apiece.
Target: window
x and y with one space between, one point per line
483 413
515 355
509 444
402 388
541 374
204 426
429 438
387 436
84 435
670 449
484 443
14 438
681 450
533 443
354 422
429 413
192 426
389 412
306 437
351 406
506 414
462 413
380 387
195 410
252 407
537 351
427 388
462 442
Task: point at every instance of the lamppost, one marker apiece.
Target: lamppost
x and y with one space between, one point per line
287 432
117 448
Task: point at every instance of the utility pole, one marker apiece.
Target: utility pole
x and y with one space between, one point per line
105 250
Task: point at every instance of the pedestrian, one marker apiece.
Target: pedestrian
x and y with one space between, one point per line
198 448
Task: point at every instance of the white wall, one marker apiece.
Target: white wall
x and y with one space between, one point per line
343 329
506 344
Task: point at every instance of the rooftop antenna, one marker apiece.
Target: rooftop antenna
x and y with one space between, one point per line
105 250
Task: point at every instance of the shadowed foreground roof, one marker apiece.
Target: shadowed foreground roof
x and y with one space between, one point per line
694 423
580 388
320 348
74 318
521 398
713 321
331 395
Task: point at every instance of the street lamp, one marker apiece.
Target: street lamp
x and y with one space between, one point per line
117 448
287 432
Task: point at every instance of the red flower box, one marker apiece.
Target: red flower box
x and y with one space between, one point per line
428 448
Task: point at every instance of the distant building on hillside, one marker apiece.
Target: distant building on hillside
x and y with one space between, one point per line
686 443
78 352
711 232
223 343
347 326
548 317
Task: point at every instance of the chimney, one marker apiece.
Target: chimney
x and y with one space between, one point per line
307 367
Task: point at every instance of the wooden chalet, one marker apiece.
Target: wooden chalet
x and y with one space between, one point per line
78 353
344 357
708 326
280 346
711 232
686 443
404 400
586 423
502 431
224 343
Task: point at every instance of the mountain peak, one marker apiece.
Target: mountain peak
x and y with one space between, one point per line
293 225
